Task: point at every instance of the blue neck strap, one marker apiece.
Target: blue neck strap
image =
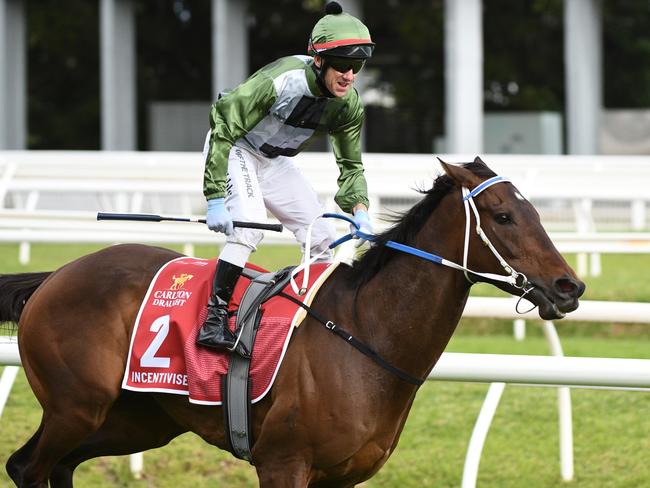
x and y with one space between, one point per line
392 244
403 247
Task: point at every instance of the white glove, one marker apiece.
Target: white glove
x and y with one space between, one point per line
218 218
362 219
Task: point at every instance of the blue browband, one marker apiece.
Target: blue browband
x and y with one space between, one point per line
483 186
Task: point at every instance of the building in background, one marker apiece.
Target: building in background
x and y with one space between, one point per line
482 76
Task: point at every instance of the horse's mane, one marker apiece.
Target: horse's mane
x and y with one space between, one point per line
406 226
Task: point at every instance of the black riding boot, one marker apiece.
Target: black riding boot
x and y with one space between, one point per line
214 332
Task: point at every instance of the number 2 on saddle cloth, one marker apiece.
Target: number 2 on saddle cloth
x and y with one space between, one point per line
163 356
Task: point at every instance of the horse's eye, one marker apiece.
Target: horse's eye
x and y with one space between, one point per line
502 218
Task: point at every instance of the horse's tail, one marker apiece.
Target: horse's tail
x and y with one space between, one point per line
15 290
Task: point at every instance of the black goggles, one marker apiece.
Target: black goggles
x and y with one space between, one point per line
343 65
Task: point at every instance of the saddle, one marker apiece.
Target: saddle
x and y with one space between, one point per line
236 386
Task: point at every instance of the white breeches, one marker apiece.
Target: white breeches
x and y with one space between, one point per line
255 184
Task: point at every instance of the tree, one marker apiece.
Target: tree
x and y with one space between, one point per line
63 75
626 48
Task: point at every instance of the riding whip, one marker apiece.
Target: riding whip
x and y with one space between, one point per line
159 218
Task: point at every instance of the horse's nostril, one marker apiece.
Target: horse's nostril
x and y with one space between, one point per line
565 286
569 286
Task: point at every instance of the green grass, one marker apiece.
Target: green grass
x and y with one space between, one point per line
610 430
46 257
610 427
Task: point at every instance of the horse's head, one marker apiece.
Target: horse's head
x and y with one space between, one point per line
515 234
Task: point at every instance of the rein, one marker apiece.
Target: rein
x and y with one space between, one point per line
513 277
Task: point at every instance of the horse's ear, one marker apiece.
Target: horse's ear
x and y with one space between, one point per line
478 160
461 175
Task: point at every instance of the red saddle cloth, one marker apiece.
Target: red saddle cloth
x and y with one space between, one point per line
163 356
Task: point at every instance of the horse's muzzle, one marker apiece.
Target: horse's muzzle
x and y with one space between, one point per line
562 297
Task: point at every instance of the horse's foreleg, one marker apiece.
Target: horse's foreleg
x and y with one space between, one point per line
61 477
290 474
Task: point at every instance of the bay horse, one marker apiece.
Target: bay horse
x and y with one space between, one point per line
333 417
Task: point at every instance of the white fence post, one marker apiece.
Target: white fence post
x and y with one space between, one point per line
479 434
519 329
136 463
638 217
6 382
564 408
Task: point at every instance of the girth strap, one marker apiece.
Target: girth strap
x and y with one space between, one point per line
236 383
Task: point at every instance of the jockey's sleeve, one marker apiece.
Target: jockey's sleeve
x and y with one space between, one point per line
346 143
231 117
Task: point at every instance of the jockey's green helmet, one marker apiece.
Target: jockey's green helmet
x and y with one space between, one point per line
341 35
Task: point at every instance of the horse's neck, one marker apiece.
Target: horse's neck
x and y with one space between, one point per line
412 306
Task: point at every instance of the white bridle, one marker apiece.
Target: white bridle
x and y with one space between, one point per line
514 278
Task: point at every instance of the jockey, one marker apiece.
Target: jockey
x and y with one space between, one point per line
257 127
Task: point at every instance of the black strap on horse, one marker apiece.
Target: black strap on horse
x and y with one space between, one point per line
354 342
236 385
